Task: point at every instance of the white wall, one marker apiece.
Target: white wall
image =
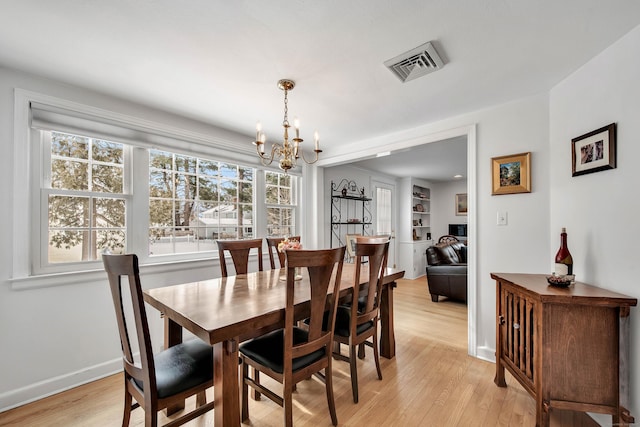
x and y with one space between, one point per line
600 210
443 210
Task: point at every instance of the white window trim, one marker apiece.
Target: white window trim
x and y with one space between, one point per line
24 175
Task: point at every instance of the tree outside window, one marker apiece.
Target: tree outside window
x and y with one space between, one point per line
86 208
280 204
195 201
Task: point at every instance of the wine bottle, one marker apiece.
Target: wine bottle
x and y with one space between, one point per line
564 260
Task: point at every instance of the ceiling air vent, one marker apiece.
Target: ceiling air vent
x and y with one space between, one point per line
415 63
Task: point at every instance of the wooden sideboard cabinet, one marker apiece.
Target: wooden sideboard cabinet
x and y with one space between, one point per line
568 347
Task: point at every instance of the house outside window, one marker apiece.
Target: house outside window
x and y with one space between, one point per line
194 201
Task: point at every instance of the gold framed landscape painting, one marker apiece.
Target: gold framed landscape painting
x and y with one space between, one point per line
511 174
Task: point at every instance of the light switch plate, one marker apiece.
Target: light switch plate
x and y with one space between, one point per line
502 218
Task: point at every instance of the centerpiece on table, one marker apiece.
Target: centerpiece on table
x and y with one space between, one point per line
290 245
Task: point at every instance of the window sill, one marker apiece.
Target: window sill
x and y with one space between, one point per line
99 276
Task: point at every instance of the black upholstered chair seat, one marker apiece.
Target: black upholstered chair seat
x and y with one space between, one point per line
268 350
343 322
181 367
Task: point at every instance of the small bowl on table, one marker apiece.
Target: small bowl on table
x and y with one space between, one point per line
561 280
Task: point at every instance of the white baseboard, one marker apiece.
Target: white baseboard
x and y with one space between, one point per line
51 386
486 353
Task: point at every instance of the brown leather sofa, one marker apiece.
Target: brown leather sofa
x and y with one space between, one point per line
447 270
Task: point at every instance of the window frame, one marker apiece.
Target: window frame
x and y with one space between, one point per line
28 206
293 205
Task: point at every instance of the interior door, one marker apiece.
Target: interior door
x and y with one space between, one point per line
384 221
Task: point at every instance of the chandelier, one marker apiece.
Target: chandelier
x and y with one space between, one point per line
288 152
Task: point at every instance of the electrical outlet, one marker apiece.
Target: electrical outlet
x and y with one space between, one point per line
502 218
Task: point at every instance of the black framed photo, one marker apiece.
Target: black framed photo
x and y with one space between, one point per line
594 151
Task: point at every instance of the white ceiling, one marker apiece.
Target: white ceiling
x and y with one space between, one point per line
218 61
437 161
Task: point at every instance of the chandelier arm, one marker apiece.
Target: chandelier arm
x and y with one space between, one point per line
307 161
267 160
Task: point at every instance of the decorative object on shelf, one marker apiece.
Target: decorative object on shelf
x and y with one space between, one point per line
594 151
415 235
419 208
561 281
511 174
461 204
564 260
419 195
354 220
289 152
290 245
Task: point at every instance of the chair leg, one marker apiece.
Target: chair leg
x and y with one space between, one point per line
256 378
126 415
287 403
245 392
150 417
328 381
375 353
354 372
361 351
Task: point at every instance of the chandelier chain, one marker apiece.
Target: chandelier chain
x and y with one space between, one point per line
285 120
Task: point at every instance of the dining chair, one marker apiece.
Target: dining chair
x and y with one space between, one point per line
239 250
292 354
166 378
272 246
357 321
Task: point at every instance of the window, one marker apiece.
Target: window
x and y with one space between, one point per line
99 180
194 201
84 196
280 202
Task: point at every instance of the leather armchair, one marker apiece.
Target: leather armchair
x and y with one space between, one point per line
447 270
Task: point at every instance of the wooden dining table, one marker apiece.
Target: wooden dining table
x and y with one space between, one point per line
228 310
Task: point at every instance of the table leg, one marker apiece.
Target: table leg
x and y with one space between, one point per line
387 337
226 391
172 336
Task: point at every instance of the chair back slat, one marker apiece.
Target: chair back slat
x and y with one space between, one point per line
376 250
239 250
325 271
119 267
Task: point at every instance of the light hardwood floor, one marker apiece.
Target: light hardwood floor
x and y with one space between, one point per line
431 382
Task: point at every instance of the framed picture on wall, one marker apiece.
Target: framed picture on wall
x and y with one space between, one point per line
461 204
511 174
594 151
350 242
